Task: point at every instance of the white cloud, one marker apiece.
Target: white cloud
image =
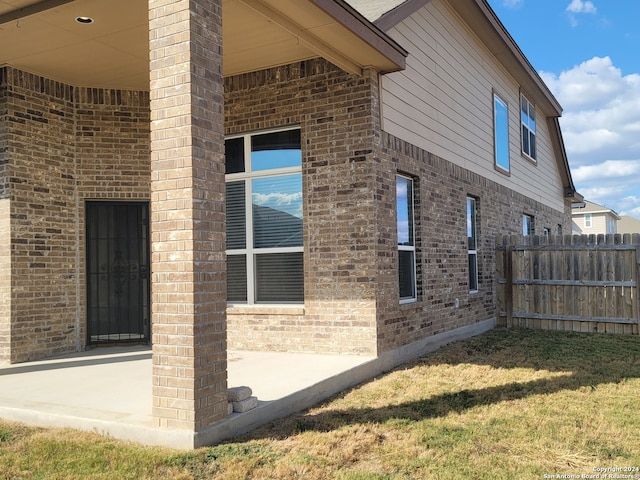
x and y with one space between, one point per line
590 140
277 198
513 3
580 6
602 111
629 206
609 169
590 84
601 131
577 7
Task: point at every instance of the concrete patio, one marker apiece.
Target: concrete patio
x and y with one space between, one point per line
108 390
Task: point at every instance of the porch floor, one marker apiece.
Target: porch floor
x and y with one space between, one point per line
108 390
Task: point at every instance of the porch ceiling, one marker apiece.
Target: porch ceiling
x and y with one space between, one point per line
43 37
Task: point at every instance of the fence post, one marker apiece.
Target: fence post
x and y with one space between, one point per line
635 238
508 274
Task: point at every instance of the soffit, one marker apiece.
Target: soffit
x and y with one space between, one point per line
114 50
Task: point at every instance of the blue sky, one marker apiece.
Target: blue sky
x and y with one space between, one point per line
588 53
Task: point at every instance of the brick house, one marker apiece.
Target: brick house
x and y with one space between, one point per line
332 181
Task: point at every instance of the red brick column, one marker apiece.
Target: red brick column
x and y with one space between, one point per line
187 214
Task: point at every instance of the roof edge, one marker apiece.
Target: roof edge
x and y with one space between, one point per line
519 55
606 212
353 20
562 160
597 208
469 11
399 13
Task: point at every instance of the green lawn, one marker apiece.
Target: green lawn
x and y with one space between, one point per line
505 405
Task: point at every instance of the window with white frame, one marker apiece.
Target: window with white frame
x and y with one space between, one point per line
501 133
472 241
587 220
527 225
264 218
528 121
406 239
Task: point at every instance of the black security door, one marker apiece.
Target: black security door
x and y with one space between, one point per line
117 272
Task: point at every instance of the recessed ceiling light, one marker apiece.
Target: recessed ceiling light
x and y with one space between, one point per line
84 20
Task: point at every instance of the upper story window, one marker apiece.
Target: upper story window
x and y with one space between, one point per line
264 218
587 220
406 239
528 121
501 133
472 241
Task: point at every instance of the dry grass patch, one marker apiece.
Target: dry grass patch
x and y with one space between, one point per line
507 404
65 454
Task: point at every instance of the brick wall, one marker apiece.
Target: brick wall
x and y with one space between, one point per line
441 243
4 140
71 144
43 216
111 153
349 169
112 144
65 145
5 281
337 116
5 228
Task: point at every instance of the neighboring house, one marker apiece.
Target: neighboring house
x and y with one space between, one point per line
593 219
374 151
627 224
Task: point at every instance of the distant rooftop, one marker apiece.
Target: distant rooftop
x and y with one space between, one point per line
591 207
628 224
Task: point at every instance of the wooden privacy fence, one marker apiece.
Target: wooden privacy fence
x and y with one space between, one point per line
584 283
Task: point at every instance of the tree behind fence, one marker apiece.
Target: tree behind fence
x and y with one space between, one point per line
583 283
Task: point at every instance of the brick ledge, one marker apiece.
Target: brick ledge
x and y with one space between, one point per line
265 310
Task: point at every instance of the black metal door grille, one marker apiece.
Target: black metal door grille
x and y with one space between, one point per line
118 298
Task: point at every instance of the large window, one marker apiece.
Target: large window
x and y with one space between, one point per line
501 133
472 241
264 218
528 120
406 239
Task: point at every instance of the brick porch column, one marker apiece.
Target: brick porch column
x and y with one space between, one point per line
187 214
